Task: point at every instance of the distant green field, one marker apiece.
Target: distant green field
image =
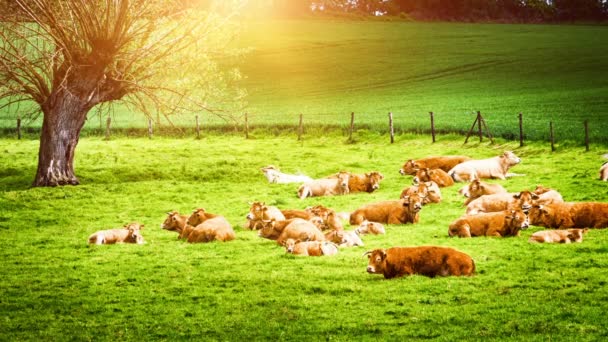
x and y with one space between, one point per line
327 69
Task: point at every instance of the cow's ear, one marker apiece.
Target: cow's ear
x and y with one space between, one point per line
406 200
517 195
585 230
368 174
383 254
534 196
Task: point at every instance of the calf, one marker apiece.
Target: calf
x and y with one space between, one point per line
547 195
310 248
496 167
259 212
429 190
367 227
478 188
446 163
128 234
368 182
405 210
342 238
440 177
523 200
570 215
504 223
558 236
175 222
325 186
429 261
273 175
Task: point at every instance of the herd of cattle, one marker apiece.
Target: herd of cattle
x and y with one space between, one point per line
318 230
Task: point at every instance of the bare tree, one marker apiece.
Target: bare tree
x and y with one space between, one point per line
69 56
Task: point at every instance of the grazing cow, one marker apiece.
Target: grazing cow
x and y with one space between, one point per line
405 210
300 230
310 248
558 236
440 177
429 261
175 222
209 227
273 175
604 172
547 195
570 215
446 163
503 223
429 190
259 212
478 188
368 182
128 234
495 167
523 200
368 227
326 186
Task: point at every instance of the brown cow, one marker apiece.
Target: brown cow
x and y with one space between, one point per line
368 182
446 163
570 215
504 223
300 230
310 248
429 261
495 167
272 229
429 190
175 222
405 210
326 186
435 175
206 227
259 212
296 213
128 234
547 195
197 217
478 188
558 236
523 200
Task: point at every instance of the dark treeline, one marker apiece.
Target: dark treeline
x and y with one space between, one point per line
448 10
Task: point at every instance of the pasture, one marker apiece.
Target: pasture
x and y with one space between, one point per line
56 287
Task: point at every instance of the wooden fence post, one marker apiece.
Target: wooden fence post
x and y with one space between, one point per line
19 127
246 126
521 130
391 128
551 136
300 128
198 128
108 123
352 126
150 131
432 126
586 123
479 126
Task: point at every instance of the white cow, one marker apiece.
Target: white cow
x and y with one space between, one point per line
273 175
495 167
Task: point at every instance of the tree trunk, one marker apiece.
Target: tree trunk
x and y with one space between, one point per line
63 120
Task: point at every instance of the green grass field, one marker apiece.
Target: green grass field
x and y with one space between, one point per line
327 69
56 287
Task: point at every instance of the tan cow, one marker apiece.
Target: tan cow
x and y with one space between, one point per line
504 223
174 222
430 261
344 238
368 182
440 177
478 188
259 212
547 195
496 167
446 163
198 216
558 236
523 200
310 248
405 210
272 229
300 230
368 227
130 233
604 172
209 227
429 190
570 215
325 186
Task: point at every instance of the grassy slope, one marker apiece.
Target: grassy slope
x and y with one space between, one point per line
55 287
326 69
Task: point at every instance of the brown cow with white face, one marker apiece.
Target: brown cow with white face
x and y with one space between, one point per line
558 236
440 177
446 163
500 224
130 233
405 210
430 261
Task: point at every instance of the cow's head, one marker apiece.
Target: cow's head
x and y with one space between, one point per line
367 227
409 168
518 219
374 179
336 236
509 158
267 229
539 214
134 226
432 194
256 212
474 189
343 177
134 235
376 260
290 245
576 235
173 221
319 210
413 202
525 200
197 217
422 175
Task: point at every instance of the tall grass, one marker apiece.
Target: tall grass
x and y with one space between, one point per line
56 287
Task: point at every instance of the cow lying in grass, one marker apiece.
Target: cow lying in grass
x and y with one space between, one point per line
206 227
310 248
175 222
496 167
499 224
429 261
273 175
428 190
558 236
570 215
523 200
446 163
130 233
259 212
478 188
440 177
326 186
405 210
368 227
